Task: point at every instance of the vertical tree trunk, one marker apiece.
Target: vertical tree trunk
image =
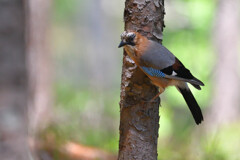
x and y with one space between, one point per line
38 67
225 107
13 82
139 118
38 63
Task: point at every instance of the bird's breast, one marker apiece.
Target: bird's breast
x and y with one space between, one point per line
131 51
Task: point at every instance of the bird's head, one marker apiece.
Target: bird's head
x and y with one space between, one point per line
134 43
128 38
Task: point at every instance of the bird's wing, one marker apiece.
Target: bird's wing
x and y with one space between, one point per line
157 56
160 62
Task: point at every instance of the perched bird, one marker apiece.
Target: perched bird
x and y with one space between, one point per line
162 67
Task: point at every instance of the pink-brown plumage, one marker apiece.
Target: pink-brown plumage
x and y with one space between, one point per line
135 52
162 67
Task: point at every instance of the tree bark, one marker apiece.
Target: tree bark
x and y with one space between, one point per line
225 105
13 82
38 61
38 64
139 118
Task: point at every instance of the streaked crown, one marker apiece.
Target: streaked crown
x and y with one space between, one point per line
127 38
128 35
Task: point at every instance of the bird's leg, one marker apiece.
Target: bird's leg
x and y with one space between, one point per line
160 91
156 96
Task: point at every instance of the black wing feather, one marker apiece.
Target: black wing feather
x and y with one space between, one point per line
181 72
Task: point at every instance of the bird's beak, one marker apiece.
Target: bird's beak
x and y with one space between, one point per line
122 43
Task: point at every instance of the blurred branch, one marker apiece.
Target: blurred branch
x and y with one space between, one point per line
139 119
78 151
48 148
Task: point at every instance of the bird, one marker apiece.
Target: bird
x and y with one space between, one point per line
162 67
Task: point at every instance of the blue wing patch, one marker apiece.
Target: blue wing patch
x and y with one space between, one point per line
153 72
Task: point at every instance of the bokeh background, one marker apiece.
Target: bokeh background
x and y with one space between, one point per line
86 72
87 63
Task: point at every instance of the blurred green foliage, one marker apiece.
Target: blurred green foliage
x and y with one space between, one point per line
90 115
64 10
83 121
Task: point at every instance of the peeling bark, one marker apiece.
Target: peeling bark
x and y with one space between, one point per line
139 118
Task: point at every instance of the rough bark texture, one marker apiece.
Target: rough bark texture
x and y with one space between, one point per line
139 119
225 107
13 82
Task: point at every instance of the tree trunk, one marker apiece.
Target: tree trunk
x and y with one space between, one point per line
38 68
225 106
38 63
139 118
13 82
24 74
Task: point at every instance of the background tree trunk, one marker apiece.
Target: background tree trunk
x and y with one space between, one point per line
38 68
225 105
13 82
24 74
139 118
38 63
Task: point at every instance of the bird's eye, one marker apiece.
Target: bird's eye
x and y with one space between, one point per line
131 37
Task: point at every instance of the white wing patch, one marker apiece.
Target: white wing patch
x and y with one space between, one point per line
174 73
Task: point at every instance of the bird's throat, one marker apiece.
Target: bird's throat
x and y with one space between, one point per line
130 51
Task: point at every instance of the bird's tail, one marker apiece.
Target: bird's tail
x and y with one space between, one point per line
194 81
192 104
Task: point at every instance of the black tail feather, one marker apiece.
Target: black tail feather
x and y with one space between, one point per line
192 104
196 86
200 82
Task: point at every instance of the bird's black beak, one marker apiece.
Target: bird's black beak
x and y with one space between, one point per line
122 43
